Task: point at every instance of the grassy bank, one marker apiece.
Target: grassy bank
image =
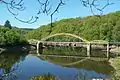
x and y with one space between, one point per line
115 62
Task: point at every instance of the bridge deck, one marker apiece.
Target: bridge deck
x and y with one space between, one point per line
50 42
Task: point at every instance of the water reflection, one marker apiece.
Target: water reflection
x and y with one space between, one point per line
24 66
98 65
76 51
9 65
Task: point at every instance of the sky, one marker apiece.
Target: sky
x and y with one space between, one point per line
72 9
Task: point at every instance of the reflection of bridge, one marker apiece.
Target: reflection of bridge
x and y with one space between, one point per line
83 43
79 62
66 64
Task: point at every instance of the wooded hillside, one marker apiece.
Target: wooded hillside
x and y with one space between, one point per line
105 27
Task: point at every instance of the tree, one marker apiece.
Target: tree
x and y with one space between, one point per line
7 24
11 36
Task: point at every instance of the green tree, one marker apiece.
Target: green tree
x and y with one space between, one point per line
11 36
7 24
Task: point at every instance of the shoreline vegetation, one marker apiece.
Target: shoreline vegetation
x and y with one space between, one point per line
115 63
11 36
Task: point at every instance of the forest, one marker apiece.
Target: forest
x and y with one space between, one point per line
104 27
11 36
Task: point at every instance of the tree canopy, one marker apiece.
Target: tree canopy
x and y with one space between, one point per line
12 36
7 24
106 27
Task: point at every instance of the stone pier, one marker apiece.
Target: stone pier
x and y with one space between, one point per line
108 50
39 47
88 49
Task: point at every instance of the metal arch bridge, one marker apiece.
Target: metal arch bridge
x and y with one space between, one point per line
66 34
75 36
72 35
85 43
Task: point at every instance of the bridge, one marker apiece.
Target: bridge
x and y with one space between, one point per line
101 44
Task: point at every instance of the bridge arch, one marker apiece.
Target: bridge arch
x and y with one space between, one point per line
66 34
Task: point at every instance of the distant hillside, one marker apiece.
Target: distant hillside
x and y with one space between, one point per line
106 27
27 29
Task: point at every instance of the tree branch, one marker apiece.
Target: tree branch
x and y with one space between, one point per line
14 6
93 4
56 10
30 21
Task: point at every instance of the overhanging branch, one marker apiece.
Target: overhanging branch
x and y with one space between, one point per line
93 4
14 6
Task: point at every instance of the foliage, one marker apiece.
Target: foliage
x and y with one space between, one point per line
106 27
116 64
45 77
7 24
11 36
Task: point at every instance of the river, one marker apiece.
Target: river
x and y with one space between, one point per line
21 65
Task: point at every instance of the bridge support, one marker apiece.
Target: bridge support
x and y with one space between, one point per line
108 50
39 48
88 49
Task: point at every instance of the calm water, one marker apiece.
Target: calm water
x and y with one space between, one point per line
23 66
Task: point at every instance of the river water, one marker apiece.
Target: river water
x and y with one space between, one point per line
22 65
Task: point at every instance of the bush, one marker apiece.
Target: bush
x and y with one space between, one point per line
10 36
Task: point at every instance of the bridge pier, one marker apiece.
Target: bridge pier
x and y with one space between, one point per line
88 49
39 48
108 50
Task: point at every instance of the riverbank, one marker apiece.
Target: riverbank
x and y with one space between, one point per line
25 47
115 62
2 50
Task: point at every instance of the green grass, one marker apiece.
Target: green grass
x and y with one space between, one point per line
115 62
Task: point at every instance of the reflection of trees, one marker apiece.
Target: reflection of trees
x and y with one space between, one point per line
9 65
11 75
45 77
76 51
65 51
